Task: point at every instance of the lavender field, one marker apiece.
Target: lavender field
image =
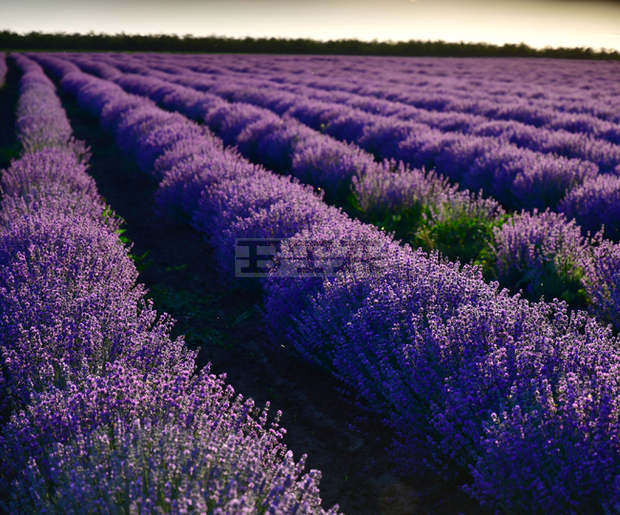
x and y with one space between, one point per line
438 318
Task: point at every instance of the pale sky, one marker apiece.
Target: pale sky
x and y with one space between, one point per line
538 23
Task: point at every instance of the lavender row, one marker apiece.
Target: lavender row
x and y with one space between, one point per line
278 95
473 381
40 121
604 154
531 252
108 411
469 102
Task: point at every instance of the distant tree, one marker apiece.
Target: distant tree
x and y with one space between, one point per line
91 41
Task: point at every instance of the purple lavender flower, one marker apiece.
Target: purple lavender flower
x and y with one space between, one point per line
596 204
36 171
540 253
392 188
190 167
602 281
330 165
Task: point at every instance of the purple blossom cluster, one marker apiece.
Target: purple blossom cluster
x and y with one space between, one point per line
604 154
596 204
396 188
445 355
188 168
51 179
531 249
84 308
102 411
602 281
517 401
258 206
170 441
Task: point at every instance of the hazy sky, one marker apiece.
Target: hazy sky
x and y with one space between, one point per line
536 22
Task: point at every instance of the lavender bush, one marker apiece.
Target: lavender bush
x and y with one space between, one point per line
394 188
542 254
445 352
462 228
83 307
185 177
37 172
595 205
331 166
602 282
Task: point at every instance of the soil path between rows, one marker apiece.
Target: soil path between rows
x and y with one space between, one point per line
9 148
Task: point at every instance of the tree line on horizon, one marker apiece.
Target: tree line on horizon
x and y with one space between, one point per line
59 41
